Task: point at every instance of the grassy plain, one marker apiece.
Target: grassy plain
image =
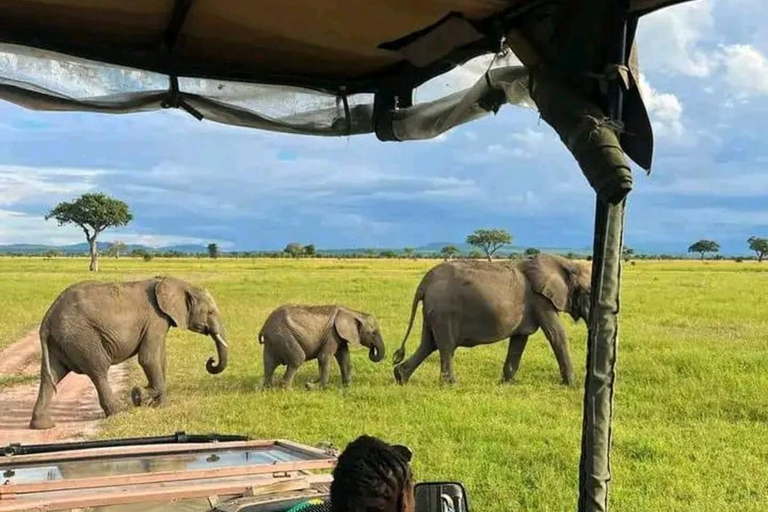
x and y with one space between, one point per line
691 425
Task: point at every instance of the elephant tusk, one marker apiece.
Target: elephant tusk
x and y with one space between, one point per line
220 339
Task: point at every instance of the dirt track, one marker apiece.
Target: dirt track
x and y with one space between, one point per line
75 407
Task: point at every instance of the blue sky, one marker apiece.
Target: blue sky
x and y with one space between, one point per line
705 76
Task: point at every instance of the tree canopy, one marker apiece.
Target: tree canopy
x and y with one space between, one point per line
704 246
449 251
295 249
489 240
93 213
213 250
532 251
760 246
116 248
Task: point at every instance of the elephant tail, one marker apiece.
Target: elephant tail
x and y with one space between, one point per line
260 337
399 355
45 363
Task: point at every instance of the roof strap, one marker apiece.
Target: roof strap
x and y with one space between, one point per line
383 108
610 73
347 116
175 99
178 15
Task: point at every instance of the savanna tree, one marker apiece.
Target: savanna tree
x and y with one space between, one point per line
115 249
531 252
704 246
489 240
295 249
93 212
760 246
449 251
627 253
213 251
310 251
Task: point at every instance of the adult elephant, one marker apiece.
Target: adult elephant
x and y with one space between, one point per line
93 325
469 303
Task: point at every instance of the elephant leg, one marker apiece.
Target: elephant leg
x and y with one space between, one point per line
41 416
345 367
427 346
290 373
107 399
324 367
154 393
446 337
270 364
152 360
447 375
294 356
514 353
555 334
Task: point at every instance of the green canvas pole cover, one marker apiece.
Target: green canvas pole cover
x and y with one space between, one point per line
587 132
593 140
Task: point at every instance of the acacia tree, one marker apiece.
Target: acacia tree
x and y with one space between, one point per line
704 246
627 253
489 240
295 249
115 248
760 246
409 252
213 251
93 212
532 251
449 251
310 251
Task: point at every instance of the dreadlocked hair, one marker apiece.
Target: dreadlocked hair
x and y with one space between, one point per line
370 476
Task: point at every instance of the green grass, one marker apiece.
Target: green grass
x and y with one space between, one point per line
691 424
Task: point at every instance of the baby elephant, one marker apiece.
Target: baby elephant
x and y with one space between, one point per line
293 334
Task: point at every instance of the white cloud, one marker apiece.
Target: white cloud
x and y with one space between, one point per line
670 39
19 183
22 228
664 109
731 185
746 69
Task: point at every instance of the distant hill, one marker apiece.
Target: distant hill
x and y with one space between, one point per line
466 248
82 248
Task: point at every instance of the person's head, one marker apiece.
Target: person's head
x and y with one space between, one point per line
373 476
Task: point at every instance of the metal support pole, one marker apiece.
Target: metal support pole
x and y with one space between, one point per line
603 337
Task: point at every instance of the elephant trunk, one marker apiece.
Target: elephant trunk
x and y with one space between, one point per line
223 352
376 352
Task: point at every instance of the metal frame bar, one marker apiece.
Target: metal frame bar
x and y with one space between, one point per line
128 451
181 490
162 477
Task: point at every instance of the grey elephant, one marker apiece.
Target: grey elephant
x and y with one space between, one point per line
94 325
469 303
293 334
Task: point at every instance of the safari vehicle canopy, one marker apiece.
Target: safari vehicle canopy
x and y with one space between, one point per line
341 67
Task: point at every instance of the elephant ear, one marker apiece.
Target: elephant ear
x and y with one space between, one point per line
550 277
346 325
173 299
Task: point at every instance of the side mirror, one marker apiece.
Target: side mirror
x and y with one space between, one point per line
440 497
